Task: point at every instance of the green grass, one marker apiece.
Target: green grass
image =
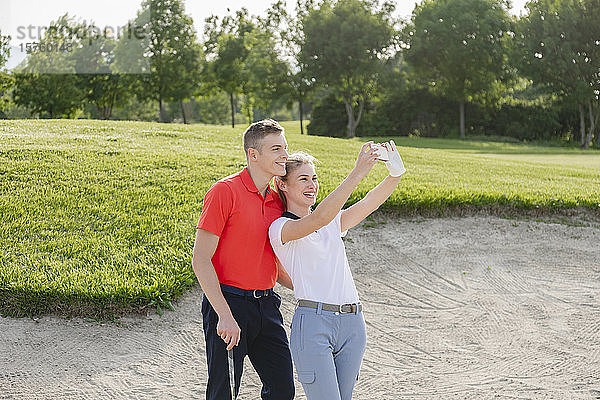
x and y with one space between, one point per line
98 218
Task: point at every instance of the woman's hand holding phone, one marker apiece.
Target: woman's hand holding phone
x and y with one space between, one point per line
394 164
367 158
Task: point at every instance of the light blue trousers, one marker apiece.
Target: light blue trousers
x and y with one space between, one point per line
327 349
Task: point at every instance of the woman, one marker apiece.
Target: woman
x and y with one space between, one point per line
328 336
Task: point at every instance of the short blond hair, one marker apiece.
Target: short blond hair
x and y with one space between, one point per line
256 132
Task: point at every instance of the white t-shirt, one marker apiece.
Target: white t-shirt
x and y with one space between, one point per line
317 263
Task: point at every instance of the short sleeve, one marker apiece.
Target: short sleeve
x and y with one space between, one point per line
275 232
216 208
338 223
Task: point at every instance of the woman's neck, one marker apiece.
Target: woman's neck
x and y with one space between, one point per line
301 211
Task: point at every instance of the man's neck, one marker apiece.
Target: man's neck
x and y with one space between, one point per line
260 179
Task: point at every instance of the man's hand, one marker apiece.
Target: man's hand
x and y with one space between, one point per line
395 164
204 249
229 331
282 276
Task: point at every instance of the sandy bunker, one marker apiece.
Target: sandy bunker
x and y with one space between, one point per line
456 308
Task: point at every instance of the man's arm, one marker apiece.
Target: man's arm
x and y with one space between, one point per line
282 276
204 249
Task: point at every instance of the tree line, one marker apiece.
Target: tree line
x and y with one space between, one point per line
456 67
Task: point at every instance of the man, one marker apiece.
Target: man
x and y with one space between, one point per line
235 265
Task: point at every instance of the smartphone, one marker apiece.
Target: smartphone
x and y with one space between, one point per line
382 152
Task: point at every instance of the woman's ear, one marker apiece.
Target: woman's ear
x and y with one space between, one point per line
280 184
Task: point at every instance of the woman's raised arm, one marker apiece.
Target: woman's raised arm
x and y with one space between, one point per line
333 203
352 216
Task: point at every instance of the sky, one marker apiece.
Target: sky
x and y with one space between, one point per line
16 16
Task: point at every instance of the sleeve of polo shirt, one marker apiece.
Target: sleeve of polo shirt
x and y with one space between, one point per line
216 208
275 232
338 222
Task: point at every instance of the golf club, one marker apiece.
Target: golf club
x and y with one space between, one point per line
231 373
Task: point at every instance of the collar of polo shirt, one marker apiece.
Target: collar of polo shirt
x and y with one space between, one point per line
249 183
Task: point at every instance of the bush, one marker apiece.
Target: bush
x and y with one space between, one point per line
415 112
329 118
418 112
519 121
411 112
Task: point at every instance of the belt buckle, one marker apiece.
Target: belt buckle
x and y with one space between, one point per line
345 305
254 294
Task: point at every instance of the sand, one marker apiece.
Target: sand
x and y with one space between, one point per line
477 307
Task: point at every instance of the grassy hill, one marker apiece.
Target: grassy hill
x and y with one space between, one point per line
98 218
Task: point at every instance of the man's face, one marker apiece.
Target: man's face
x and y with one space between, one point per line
273 154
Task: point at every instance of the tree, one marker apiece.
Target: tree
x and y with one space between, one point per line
106 91
49 95
291 40
591 16
190 75
4 49
459 47
94 63
244 60
558 46
57 83
265 72
227 47
6 80
173 52
344 44
47 83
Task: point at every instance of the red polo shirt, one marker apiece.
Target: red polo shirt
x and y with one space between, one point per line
234 210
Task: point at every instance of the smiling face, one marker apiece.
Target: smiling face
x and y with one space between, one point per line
272 155
269 155
266 148
301 187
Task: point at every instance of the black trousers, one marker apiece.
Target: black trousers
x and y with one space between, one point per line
263 339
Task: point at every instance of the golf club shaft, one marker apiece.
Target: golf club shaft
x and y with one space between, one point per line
231 373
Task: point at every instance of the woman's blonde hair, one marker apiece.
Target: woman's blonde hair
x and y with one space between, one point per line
293 161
